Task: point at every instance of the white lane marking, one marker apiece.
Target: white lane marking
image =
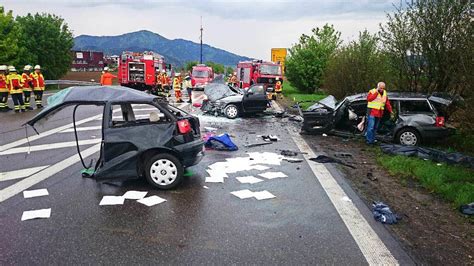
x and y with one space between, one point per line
28 182
81 129
17 174
50 146
371 246
46 133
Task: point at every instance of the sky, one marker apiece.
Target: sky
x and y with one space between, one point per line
244 27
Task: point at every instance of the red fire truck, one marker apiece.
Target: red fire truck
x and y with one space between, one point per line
258 71
139 70
201 76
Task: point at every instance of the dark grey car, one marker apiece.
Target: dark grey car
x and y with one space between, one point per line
415 118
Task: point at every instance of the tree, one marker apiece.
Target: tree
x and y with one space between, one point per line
356 67
9 36
307 59
46 40
217 68
229 70
189 65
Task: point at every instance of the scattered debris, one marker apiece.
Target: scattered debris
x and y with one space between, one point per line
371 176
270 138
134 195
188 173
273 175
214 179
327 159
259 195
151 201
467 209
257 144
211 129
343 154
259 167
221 143
291 153
346 198
292 160
383 214
248 179
35 193
242 194
112 200
324 135
206 187
36 214
198 105
296 118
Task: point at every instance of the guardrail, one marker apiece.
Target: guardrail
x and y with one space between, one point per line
71 82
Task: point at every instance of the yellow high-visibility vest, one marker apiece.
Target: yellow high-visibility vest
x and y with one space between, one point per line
379 102
14 83
176 84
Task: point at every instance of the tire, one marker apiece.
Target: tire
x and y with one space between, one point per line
231 111
408 137
164 171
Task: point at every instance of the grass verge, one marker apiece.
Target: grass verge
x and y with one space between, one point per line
294 95
453 183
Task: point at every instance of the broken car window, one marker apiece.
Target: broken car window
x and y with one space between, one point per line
418 106
257 89
136 114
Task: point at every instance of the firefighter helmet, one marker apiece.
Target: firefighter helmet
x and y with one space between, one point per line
11 69
277 79
3 68
106 68
37 67
27 68
177 74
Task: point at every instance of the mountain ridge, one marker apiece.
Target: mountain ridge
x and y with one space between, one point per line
176 51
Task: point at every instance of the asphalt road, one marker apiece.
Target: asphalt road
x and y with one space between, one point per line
196 225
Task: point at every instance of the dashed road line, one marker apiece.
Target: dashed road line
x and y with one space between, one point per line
17 174
81 129
50 146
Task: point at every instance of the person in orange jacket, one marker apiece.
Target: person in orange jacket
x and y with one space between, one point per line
3 89
27 86
106 78
15 87
38 86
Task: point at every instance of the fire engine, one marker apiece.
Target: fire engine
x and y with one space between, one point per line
139 70
201 76
258 71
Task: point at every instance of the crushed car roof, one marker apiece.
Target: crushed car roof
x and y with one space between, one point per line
91 95
217 91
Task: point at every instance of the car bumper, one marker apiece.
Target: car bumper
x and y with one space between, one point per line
191 153
438 132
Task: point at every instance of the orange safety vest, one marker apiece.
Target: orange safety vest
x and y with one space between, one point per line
106 79
3 83
27 82
379 102
278 86
14 83
38 81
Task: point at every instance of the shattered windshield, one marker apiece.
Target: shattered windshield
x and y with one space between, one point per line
329 102
200 73
216 91
270 69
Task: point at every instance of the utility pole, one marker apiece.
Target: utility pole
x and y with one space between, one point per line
200 61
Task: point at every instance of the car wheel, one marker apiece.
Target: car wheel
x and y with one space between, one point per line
164 171
409 137
231 111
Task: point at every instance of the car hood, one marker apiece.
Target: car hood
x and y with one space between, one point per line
329 102
231 99
217 91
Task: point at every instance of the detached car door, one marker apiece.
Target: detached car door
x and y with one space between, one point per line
255 99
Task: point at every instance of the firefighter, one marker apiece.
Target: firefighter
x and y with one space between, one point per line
27 85
15 87
38 86
107 78
377 102
165 81
187 84
233 80
159 86
177 87
3 89
278 88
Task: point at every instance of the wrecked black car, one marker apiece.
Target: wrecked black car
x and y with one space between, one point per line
234 102
415 118
159 144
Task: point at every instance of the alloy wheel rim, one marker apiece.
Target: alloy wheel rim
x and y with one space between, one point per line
408 138
232 111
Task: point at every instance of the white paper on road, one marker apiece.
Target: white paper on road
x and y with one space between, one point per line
213 179
35 193
272 175
261 195
249 179
346 198
242 194
260 167
206 187
112 200
151 201
216 173
134 195
36 214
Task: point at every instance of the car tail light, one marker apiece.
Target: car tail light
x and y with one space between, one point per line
184 126
440 121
